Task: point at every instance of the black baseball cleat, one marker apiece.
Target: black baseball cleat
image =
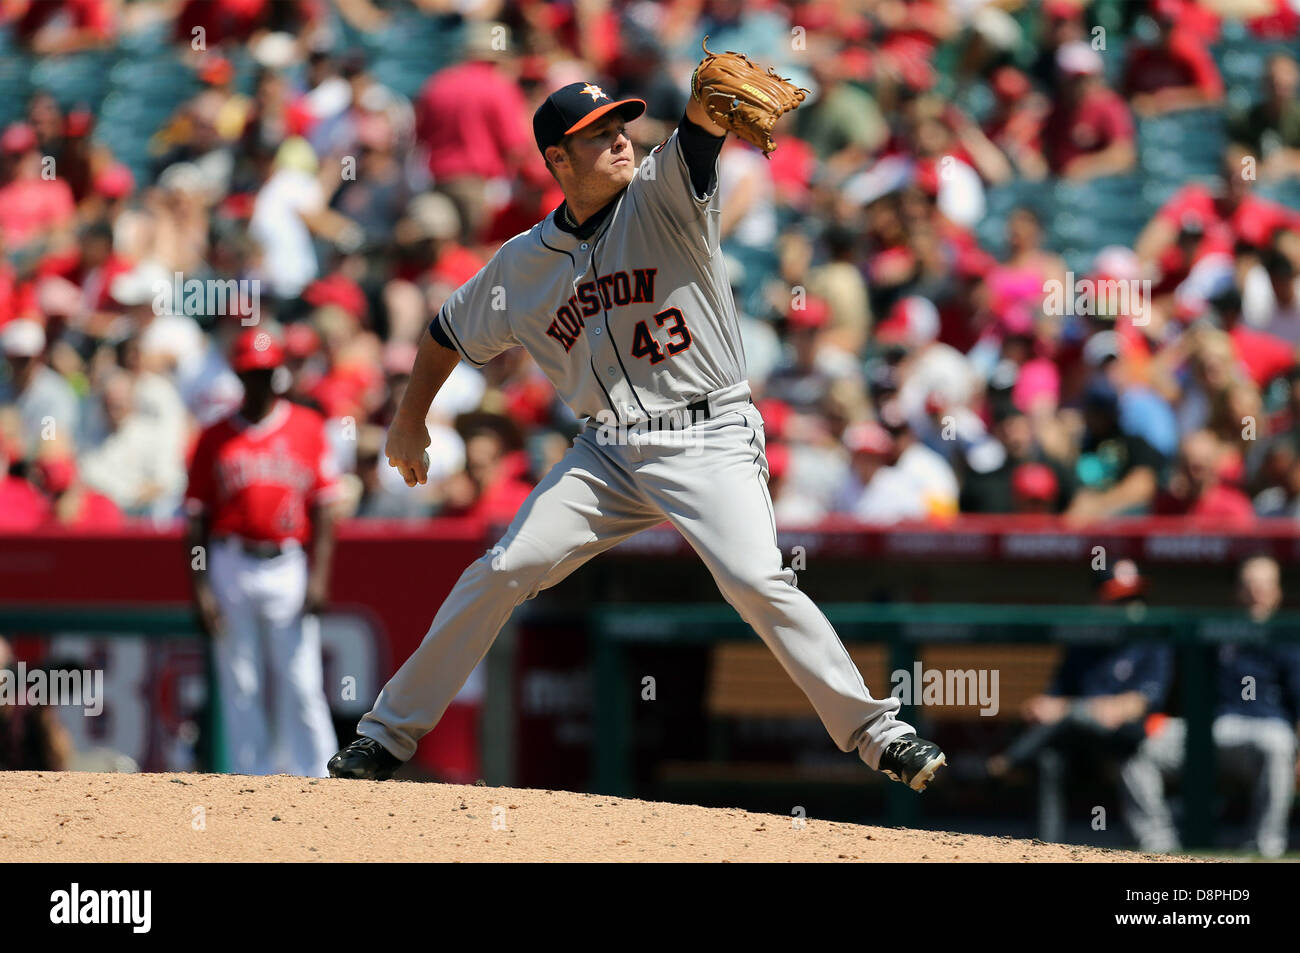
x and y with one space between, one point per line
365 759
912 760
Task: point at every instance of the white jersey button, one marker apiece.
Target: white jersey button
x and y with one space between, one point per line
597 330
585 245
611 372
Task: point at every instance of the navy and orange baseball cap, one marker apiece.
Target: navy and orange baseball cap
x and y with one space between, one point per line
256 350
572 107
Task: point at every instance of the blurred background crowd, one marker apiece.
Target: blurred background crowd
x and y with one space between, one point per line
906 263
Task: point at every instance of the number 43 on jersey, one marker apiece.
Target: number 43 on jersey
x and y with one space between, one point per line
645 345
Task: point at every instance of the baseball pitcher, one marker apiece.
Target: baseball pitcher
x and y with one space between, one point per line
622 298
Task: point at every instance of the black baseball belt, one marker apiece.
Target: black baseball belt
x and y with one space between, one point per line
261 548
697 411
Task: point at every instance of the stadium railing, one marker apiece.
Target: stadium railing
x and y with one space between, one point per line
903 629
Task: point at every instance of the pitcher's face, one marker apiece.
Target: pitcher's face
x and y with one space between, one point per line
599 158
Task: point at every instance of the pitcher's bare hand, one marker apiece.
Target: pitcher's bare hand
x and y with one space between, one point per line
405 450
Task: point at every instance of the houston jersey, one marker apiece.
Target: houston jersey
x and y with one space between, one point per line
635 321
260 480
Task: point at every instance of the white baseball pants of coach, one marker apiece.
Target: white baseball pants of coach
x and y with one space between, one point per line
268 648
710 481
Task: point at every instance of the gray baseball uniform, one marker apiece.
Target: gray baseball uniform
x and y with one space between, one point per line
636 327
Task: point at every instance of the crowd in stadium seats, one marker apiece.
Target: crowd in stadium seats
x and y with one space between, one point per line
933 269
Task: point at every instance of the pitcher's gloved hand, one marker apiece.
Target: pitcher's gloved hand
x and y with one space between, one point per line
741 97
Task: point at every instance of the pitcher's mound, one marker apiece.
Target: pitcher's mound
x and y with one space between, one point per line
206 817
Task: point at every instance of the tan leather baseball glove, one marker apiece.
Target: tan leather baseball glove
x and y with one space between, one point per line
742 98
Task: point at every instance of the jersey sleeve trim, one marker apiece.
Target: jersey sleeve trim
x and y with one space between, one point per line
442 319
439 334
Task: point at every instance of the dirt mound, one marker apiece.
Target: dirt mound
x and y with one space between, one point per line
205 817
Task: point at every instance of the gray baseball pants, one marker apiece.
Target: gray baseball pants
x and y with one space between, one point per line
710 481
1261 750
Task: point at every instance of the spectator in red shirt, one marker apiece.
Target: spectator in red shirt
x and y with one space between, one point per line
12 292
48 27
110 190
1280 23
1089 132
75 506
940 136
431 264
473 121
1200 220
1264 356
1175 72
890 262
219 20
910 32
433 223
492 487
1198 488
91 266
307 363
22 507
1016 124
31 206
241 21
